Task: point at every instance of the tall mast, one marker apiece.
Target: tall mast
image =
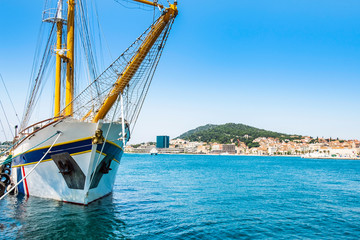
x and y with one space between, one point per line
69 94
59 25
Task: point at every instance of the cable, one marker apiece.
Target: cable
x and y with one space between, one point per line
34 94
12 104
103 145
7 120
139 5
2 126
33 167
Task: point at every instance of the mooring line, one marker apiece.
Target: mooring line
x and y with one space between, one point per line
59 134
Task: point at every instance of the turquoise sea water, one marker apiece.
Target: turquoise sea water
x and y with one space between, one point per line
203 197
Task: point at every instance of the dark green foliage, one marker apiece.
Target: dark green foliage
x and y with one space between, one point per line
231 132
253 144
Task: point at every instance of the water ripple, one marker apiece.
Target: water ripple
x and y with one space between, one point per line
203 197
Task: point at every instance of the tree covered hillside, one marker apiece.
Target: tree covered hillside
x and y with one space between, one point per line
231 132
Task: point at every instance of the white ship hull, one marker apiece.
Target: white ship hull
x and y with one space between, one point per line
75 170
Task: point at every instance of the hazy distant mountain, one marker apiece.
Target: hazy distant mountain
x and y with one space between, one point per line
231 132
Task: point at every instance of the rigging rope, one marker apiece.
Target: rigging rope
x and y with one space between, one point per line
5 151
134 94
10 160
2 126
89 100
150 76
33 167
7 120
33 97
138 5
102 32
84 30
12 104
106 137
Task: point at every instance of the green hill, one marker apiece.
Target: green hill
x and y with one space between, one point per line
231 132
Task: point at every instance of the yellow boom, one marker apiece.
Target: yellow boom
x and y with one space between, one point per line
124 79
150 3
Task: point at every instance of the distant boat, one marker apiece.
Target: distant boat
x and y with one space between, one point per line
153 151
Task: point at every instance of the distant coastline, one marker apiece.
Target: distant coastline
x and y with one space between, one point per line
240 139
305 147
250 155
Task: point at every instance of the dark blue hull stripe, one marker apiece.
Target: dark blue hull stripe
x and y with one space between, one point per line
37 154
72 148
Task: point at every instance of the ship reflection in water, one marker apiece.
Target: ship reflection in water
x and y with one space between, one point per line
36 218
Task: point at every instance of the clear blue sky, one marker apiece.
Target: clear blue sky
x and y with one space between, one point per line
290 66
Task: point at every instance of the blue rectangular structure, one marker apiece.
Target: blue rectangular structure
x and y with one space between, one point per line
162 141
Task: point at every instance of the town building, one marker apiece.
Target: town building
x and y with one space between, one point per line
162 141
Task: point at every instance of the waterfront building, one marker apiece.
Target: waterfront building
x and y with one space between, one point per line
272 150
267 146
143 149
170 150
203 149
343 152
162 141
229 148
129 149
178 141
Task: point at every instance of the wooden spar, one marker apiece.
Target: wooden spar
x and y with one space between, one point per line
69 91
124 79
59 32
149 3
57 95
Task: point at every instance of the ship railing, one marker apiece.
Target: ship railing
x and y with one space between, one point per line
37 126
53 15
32 129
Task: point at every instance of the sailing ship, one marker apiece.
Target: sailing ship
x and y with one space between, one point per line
74 155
